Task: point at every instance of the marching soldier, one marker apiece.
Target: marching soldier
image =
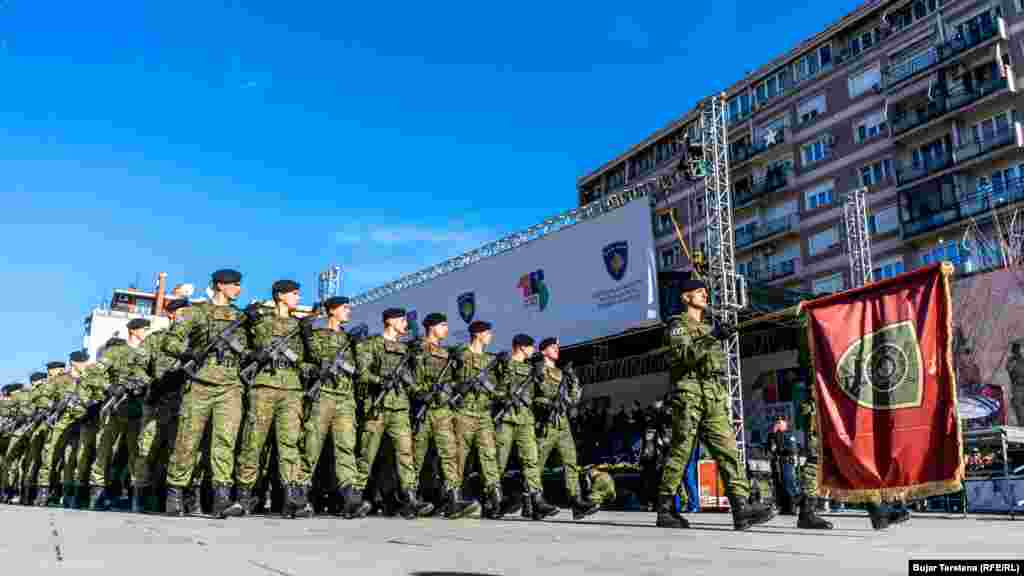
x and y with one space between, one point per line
44 400
383 367
17 446
213 396
515 426
62 434
434 378
60 384
700 406
92 388
275 397
556 392
11 413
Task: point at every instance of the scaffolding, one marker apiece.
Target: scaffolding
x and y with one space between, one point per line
330 283
726 288
858 239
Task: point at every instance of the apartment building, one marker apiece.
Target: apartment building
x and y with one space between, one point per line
916 101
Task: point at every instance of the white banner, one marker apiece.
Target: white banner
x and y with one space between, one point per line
590 280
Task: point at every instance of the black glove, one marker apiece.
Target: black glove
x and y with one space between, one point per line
252 312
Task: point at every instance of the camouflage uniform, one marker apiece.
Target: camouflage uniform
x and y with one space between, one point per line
123 363
92 388
17 443
517 424
601 486
557 436
61 435
474 424
334 412
214 397
43 399
809 471
437 423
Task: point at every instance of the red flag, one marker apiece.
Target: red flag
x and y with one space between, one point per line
885 388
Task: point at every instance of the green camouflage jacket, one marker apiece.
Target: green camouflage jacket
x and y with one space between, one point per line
376 358
511 375
547 388
42 394
93 384
429 362
160 361
322 348
692 363
194 327
476 401
262 334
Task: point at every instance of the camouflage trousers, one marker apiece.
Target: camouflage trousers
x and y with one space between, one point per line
476 430
85 451
602 487
335 415
809 471
282 409
438 428
114 429
559 438
63 434
394 423
17 447
5 442
518 432
220 407
157 432
705 414
34 457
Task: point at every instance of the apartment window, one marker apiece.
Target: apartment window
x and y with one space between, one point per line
664 222
745 268
776 127
875 173
869 127
828 285
811 63
820 149
771 87
739 107
1003 179
887 269
864 41
810 109
670 257
616 178
823 241
884 221
820 195
948 252
865 80
989 128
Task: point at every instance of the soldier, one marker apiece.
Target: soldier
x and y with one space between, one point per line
434 376
598 485
44 399
700 406
275 397
17 445
63 435
333 409
556 393
10 414
383 366
213 396
515 427
126 369
1015 369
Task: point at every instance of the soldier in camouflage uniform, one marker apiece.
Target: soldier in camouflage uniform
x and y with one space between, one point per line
333 410
378 358
127 366
548 402
515 426
17 444
474 423
92 389
63 434
700 406
808 518
433 373
44 399
213 397
275 397
598 485
10 413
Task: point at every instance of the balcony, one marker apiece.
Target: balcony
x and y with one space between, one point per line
930 165
992 197
977 31
749 235
745 153
759 187
900 72
947 103
773 272
1003 136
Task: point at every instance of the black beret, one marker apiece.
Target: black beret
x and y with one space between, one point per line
392 313
37 376
177 304
691 284
547 342
227 276
136 323
522 340
12 387
433 319
285 286
479 326
79 356
54 365
114 341
335 301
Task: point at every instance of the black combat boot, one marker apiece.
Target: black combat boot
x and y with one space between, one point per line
42 496
527 511
667 515
809 519
173 505
459 508
745 515
493 508
512 504
541 508
193 501
341 496
223 507
96 499
879 516
355 506
139 500
898 516
581 508
248 501
67 499
301 508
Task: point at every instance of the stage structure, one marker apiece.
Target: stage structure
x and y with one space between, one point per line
858 238
330 283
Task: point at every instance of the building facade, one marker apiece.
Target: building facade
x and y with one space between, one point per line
914 101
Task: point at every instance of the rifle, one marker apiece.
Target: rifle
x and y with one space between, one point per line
563 403
393 381
440 389
516 398
275 352
339 364
218 345
480 381
119 393
70 399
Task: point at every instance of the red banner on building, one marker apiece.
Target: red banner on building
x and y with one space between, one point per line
885 389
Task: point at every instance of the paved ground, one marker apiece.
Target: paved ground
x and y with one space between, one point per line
38 541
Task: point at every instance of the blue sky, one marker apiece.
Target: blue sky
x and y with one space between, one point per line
277 139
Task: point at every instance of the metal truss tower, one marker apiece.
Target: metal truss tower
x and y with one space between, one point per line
726 288
330 282
858 240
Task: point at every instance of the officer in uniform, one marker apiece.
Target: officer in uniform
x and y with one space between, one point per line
557 435
434 378
1015 368
521 373
333 411
378 358
700 406
213 397
275 397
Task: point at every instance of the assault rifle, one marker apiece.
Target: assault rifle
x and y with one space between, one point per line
275 352
70 399
480 381
338 366
518 397
563 403
440 389
393 381
118 393
219 345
